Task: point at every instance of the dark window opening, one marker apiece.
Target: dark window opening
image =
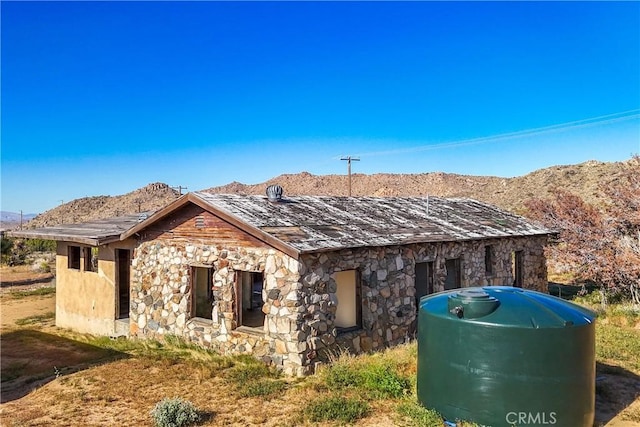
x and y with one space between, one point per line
73 257
454 274
202 300
488 260
517 268
249 298
424 280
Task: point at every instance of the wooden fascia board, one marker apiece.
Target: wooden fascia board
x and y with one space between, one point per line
231 219
253 231
156 216
90 241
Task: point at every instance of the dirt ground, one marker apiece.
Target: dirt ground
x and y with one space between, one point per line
68 385
12 310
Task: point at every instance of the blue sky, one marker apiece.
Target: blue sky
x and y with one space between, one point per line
105 97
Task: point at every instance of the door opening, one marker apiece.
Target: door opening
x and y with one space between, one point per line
518 268
454 274
123 262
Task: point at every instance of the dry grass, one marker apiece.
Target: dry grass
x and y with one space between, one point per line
22 273
105 382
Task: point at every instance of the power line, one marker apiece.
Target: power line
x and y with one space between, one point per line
576 124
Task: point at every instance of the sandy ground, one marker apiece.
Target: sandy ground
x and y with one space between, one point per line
14 309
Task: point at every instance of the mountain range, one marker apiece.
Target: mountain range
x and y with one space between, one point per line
584 179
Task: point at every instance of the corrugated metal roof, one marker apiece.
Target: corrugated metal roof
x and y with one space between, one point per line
93 233
318 223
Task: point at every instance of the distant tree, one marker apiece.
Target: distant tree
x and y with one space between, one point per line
40 245
6 244
598 243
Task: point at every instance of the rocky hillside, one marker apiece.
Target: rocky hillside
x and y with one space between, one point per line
149 198
509 193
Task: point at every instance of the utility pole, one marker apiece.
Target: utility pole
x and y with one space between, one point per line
349 159
179 188
20 219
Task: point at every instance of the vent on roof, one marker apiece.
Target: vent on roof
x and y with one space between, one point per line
142 217
274 193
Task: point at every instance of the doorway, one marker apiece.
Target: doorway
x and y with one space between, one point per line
518 268
454 274
123 263
424 280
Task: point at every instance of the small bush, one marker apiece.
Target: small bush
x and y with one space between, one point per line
419 415
337 408
174 412
44 267
249 369
262 387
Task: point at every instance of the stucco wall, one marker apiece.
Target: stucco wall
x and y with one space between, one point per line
86 300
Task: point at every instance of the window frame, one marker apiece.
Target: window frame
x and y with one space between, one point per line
239 296
210 296
489 260
74 253
429 277
457 264
358 303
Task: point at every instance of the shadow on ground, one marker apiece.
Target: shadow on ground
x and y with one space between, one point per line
31 358
616 389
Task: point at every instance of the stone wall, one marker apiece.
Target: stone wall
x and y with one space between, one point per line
388 288
161 300
300 297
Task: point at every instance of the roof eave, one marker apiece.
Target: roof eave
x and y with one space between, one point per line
226 216
91 241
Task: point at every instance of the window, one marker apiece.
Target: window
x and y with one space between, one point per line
90 258
454 274
423 280
488 260
202 294
349 311
73 257
249 297
517 268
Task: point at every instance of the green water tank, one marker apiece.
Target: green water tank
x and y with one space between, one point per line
504 356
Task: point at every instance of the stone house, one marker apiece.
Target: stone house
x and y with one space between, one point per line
294 280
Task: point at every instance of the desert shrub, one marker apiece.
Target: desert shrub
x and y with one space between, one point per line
262 387
44 267
247 368
174 412
419 415
336 408
6 245
40 245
